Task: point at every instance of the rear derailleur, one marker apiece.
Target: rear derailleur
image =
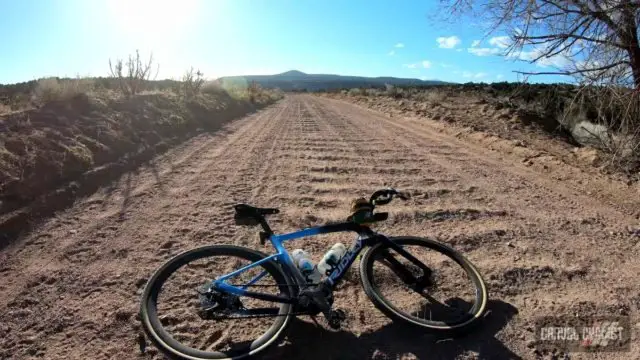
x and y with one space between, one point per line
216 305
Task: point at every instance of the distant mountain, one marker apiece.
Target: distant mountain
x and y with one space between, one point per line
297 80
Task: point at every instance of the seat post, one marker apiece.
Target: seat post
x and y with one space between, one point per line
265 226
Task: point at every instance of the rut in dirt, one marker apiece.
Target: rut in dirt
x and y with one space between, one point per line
71 288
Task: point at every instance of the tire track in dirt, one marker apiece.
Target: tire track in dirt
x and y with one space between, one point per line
556 253
63 274
71 288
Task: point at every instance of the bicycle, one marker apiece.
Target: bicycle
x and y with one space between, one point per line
218 300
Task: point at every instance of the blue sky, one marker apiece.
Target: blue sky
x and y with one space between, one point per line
236 37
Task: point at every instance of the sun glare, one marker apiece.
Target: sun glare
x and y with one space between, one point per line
154 21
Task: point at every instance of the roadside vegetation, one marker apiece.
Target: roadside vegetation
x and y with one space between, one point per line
572 122
78 133
593 42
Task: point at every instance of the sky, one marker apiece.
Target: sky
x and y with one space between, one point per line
70 38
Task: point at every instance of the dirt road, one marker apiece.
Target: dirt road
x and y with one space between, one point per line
70 289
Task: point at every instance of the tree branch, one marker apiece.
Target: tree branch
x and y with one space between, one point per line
552 37
574 72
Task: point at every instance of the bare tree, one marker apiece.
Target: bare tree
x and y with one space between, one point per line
137 73
594 40
192 82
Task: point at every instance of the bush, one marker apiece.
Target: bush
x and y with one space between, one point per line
133 75
355 92
52 89
192 83
212 88
253 90
4 108
435 97
372 92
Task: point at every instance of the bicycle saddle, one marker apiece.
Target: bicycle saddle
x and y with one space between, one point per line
250 215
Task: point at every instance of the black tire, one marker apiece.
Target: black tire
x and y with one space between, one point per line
171 347
391 310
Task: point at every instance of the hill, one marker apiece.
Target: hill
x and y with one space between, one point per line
297 80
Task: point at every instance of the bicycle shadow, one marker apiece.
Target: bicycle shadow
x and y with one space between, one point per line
307 341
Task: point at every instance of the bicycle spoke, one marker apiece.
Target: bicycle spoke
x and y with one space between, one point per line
439 305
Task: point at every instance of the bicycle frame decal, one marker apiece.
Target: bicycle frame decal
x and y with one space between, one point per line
346 261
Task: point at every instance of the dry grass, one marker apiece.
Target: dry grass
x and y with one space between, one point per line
52 89
5 108
212 88
431 96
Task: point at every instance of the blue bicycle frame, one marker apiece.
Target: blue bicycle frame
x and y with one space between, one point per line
365 234
366 237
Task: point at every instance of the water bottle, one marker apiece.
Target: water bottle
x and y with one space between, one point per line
307 267
331 258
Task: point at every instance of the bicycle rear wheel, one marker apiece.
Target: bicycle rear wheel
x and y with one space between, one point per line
453 297
176 295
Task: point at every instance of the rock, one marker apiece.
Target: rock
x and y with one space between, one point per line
73 231
587 155
531 344
590 134
168 244
141 282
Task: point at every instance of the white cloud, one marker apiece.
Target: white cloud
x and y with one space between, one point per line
499 76
475 43
448 42
469 74
502 42
484 51
557 61
425 64
458 50
399 45
391 53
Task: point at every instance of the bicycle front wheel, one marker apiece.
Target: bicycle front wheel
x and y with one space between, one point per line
185 318
451 298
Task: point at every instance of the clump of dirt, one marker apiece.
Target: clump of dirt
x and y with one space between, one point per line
75 145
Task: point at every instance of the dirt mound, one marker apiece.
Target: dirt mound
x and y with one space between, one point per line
88 140
536 136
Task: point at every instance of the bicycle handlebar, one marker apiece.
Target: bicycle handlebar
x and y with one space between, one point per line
383 197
